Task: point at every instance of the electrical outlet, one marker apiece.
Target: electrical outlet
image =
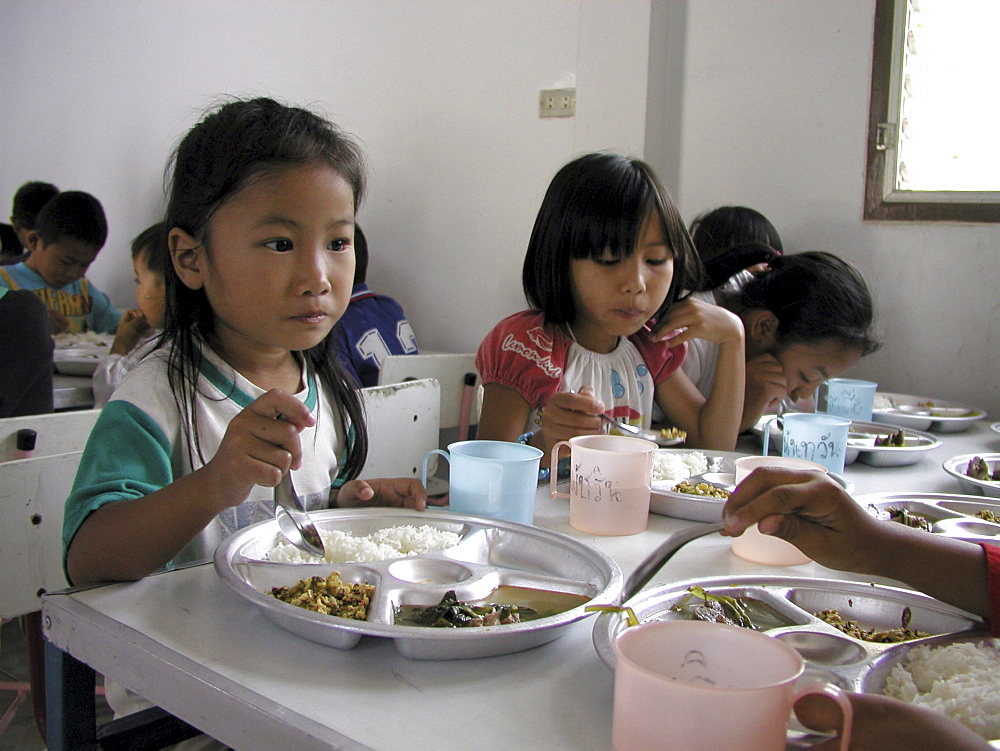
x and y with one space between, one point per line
557 103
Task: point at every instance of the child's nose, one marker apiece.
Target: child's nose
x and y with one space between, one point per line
314 272
635 278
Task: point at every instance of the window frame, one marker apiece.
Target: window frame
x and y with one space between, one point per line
881 203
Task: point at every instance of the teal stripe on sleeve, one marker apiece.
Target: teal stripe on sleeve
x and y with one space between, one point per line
127 456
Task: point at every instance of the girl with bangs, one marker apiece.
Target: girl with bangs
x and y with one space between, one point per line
606 266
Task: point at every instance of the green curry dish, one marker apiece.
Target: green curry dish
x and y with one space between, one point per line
704 606
979 469
895 440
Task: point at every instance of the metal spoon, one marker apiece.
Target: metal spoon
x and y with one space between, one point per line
293 519
655 560
649 435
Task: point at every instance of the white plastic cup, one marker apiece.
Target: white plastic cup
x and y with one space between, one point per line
704 686
609 483
754 546
815 437
850 398
496 479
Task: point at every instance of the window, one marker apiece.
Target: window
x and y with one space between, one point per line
934 117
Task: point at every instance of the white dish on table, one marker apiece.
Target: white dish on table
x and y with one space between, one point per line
956 467
923 413
665 501
78 360
995 427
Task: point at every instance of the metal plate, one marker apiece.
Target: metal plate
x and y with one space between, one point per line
667 502
490 554
944 417
830 655
950 515
862 437
956 466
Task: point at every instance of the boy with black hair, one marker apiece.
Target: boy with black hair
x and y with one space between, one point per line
373 327
28 201
70 231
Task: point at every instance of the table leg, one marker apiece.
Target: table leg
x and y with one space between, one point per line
71 711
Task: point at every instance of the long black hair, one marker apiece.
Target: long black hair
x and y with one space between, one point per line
816 297
597 203
240 142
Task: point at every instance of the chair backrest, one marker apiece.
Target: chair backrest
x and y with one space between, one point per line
402 427
33 494
450 370
58 432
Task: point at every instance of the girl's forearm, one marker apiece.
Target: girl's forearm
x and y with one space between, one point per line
127 540
720 416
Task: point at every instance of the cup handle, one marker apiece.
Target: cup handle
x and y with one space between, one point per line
822 396
840 696
554 471
427 456
767 434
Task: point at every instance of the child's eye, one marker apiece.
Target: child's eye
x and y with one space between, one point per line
339 245
281 245
657 261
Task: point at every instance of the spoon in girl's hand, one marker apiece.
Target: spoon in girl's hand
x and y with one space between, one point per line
650 435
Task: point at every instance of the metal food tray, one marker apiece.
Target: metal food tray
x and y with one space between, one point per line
944 417
956 466
829 654
491 553
667 502
950 515
861 438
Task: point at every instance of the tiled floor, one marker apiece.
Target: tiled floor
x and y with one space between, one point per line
22 734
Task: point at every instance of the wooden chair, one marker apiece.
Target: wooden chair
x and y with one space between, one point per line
403 425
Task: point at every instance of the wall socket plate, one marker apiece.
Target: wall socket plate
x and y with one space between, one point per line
557 103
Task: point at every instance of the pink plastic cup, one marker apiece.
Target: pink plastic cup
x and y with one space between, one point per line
609 483
706 686
767 549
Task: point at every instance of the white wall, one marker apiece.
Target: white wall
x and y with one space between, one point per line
775 107
443 95
765 105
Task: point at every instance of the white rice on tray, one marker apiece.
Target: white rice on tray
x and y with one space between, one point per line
391 542
669 467
961 681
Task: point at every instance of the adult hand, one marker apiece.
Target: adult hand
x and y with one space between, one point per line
884 724
809 510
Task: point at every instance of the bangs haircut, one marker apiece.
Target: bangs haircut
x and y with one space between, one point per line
594 205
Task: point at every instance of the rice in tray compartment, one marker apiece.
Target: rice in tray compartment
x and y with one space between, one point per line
961 681
391 542
669 467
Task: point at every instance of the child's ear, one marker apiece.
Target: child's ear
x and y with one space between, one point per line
763 329
188 258
34 241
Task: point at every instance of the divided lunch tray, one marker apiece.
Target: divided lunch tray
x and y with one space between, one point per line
491 553
950 515
830 655
905 412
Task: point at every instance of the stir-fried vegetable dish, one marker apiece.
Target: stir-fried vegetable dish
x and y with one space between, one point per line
881 636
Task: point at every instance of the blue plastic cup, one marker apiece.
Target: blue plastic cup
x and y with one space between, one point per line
496 479
815 437
850 398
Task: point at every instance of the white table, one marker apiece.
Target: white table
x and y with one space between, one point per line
189 644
